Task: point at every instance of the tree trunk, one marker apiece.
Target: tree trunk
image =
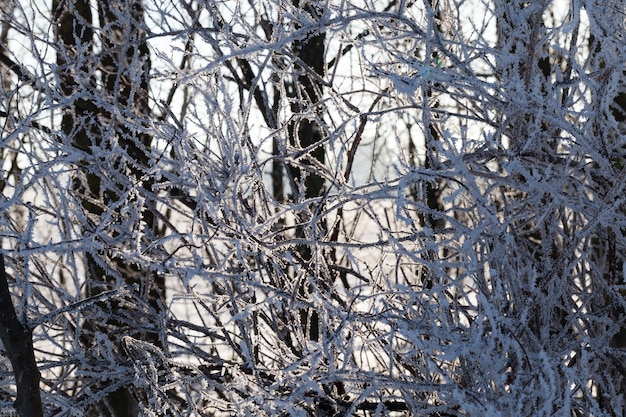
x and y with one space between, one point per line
307 133
18 343
96 127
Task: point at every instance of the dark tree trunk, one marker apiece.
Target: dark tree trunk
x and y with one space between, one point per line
90 125
18 343
307 133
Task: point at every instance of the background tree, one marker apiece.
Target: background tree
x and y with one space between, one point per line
220 208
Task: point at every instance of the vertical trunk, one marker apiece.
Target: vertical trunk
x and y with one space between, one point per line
97 125
431 192
18 344
6 10
307 133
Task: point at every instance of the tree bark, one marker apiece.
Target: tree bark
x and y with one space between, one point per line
308 133
85 122
18 344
